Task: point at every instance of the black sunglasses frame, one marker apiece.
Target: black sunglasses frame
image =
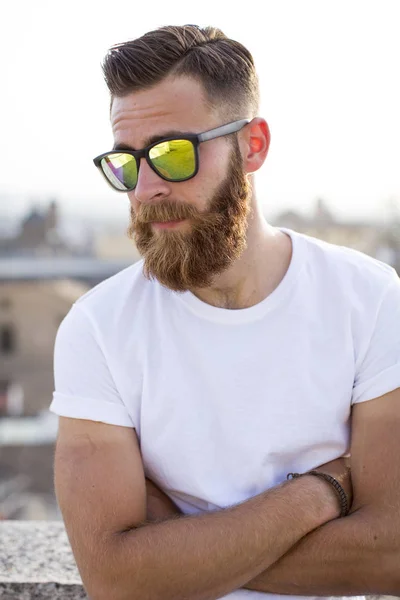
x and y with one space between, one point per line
195 139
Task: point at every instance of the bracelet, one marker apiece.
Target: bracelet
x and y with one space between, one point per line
344 503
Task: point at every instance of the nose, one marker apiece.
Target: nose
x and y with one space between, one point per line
150 186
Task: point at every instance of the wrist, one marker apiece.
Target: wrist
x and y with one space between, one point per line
335 484
321 497
330 502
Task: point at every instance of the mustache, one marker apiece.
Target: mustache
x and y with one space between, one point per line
165 211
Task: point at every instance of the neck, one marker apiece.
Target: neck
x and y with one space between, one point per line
258 271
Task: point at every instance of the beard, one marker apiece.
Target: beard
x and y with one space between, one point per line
185 260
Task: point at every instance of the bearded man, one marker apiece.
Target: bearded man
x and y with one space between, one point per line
214 396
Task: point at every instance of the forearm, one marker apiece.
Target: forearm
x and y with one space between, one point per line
356 555
208 556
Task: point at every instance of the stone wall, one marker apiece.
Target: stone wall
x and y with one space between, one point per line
36 561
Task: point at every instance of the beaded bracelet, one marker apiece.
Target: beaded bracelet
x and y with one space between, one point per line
344 503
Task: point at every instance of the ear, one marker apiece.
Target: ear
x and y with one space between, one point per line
254 144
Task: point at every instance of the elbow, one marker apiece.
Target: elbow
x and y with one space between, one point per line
390 562
384 567
106 593
379 551
105 589
116 591
123 574
391 583
105 575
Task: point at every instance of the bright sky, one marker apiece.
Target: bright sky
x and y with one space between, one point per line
330 92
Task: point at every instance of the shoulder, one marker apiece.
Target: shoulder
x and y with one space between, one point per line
124 282
112 304
125 292
346 270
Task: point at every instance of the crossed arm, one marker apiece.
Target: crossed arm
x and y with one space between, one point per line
359 554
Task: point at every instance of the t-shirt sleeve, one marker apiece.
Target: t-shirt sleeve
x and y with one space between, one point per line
84 386
379 370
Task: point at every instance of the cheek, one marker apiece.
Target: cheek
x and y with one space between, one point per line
213 168
189 192
214 161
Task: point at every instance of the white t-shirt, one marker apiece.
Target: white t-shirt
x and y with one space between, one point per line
227 402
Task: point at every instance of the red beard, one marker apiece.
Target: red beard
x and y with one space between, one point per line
185 260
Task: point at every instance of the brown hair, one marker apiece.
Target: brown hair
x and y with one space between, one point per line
224 67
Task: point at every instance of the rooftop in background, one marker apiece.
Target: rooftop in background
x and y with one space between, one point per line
81 268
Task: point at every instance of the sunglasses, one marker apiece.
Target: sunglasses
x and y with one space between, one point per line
172 158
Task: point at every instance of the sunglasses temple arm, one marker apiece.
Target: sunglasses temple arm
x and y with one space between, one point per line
224 130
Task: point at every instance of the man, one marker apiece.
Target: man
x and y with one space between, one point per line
192 383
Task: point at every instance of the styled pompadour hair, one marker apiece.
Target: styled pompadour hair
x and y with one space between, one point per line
223 66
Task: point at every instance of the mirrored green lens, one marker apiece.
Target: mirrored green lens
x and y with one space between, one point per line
120 170
174 160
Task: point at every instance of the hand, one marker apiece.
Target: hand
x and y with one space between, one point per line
340 470
159 505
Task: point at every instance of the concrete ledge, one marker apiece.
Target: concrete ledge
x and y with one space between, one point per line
36 561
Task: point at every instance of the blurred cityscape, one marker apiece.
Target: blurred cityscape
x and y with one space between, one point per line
46 264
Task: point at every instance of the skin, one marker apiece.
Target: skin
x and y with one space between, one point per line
179 104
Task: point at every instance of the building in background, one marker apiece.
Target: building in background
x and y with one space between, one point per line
38 235
112 245
43 233
379 240
30 314
36 293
